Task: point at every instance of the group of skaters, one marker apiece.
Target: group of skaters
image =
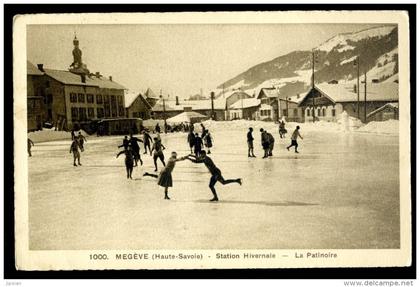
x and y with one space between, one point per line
267 140
198 142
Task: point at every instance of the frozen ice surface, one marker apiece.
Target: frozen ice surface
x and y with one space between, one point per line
340 191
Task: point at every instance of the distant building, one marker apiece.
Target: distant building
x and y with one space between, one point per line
35 97
76 97
386 112
137 106
275 106
245 109
231 99
330 101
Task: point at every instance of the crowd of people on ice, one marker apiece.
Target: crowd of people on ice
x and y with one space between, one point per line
200 147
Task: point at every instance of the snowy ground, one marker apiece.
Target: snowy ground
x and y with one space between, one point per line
341 191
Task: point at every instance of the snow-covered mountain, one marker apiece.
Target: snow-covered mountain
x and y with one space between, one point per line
377 49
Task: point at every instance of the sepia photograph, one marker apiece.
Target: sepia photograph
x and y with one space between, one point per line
188 140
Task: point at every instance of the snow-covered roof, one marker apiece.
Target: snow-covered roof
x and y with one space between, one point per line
246 103
69 78
130 97
32 70
269 92
185 117
170 105
388 105
345 92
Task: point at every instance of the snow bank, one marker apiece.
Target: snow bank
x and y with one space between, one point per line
386 127
46 135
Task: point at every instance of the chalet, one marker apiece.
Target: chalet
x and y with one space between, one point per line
245 109
329 101
386 112
231 99
137 106
275 106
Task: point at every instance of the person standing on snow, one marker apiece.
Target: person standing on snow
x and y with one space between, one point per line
250 141
191 140
264 142
270 140
208 141
295 135
74 148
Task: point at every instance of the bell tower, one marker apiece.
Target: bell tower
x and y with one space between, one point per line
77 67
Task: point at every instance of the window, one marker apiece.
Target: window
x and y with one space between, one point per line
319 112
89 98
114 112
73 98
121 111
49 99
47 84
295 112
107 111
308 112
81 98
323 112
74 114
268 113
91 113
99 99
82 114
285 112
100 112
106 99
333 112
120 101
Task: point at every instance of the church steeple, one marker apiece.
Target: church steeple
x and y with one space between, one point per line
77 66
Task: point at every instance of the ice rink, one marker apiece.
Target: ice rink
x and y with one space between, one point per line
341 191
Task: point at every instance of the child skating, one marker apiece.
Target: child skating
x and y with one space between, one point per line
129 160
216 174
295 135
165 176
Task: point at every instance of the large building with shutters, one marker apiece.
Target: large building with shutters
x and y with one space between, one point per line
76 97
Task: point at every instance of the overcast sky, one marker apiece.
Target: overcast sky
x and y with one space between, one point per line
179 59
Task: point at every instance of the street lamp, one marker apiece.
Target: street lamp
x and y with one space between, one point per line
164 111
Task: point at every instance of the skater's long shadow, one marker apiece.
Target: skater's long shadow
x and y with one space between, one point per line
265 203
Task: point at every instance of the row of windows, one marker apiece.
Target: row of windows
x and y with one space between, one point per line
265 113
88 113
80 98
320 112
295 112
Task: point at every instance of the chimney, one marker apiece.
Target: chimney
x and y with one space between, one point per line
41 67
110 78
98 75
177 101
297 95
83 77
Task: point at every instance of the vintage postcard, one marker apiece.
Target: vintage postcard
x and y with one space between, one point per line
212 140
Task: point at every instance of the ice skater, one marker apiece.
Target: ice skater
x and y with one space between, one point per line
146 141
74 148
136 149
157 128
250 141
203 130
125 143
191 140
264 142
216 174
129 160
271 141
30 145
81 140
282 129
158 148
295 135
208 141
165 176
198 145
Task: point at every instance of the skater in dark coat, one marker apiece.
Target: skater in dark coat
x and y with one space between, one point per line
208 141
295 135
30 145
129 161
157 128
158 148
216 174
198 145
264 142
82 140
282 129
74 148
271 140
165 176
136 149
146 141
191 140
125 143
250 141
